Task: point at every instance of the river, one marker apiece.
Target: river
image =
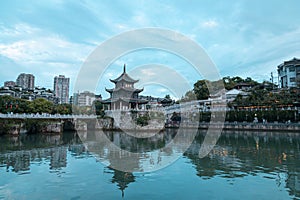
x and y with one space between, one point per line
242 165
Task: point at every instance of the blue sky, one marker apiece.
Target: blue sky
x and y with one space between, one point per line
243 38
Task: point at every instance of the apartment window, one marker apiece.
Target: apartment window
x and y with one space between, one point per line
292 69
292 79
284 69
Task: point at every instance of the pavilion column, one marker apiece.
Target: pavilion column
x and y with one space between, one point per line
121 105
114 106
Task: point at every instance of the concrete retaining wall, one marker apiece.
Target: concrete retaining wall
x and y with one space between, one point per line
292 127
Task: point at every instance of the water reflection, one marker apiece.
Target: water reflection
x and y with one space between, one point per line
121 179
274 156
123 152
17 153
241 154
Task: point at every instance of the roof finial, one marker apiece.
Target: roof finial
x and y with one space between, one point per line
124 69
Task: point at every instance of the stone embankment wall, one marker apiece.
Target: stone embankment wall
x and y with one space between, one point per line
15 127
241 126
127 120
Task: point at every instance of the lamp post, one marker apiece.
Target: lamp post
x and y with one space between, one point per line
297 110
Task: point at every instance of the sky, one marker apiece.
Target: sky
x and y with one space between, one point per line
242 38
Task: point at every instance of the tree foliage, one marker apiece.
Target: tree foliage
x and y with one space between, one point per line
270 99
40 106
142 120
99 108
167 96
201 90
10 104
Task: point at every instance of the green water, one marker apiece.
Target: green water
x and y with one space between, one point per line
243 165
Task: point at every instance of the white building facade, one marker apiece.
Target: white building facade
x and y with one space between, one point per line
289 73
85 98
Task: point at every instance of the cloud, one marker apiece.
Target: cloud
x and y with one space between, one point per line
210 24
109 75
33 50
165 78
14 69
239 36
148 72
20 30
162 90
42 47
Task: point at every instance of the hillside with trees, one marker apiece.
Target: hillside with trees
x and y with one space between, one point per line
263 101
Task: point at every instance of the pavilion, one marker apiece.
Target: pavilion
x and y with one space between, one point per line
124 96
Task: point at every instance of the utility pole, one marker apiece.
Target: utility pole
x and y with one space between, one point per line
272 80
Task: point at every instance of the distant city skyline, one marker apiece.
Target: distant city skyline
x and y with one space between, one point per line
243 38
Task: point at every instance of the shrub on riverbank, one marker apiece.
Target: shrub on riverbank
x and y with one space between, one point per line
261 115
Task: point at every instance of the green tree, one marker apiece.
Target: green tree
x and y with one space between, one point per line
99 108
142 120
228 83
167 96
40 106
62 109
11 104
201 90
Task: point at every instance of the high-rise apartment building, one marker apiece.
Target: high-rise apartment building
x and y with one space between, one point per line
85 98
61 88
289 73
26 81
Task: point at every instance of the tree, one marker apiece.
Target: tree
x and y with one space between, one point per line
189 96
11 104
62 109
228 83
40 106
201 90
99 108
142 120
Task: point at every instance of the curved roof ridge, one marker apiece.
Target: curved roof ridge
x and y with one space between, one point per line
125 77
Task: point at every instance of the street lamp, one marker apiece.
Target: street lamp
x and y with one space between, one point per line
297 109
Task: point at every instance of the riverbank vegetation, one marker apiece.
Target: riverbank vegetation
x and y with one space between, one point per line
10 104
258 94
264 116
260 101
